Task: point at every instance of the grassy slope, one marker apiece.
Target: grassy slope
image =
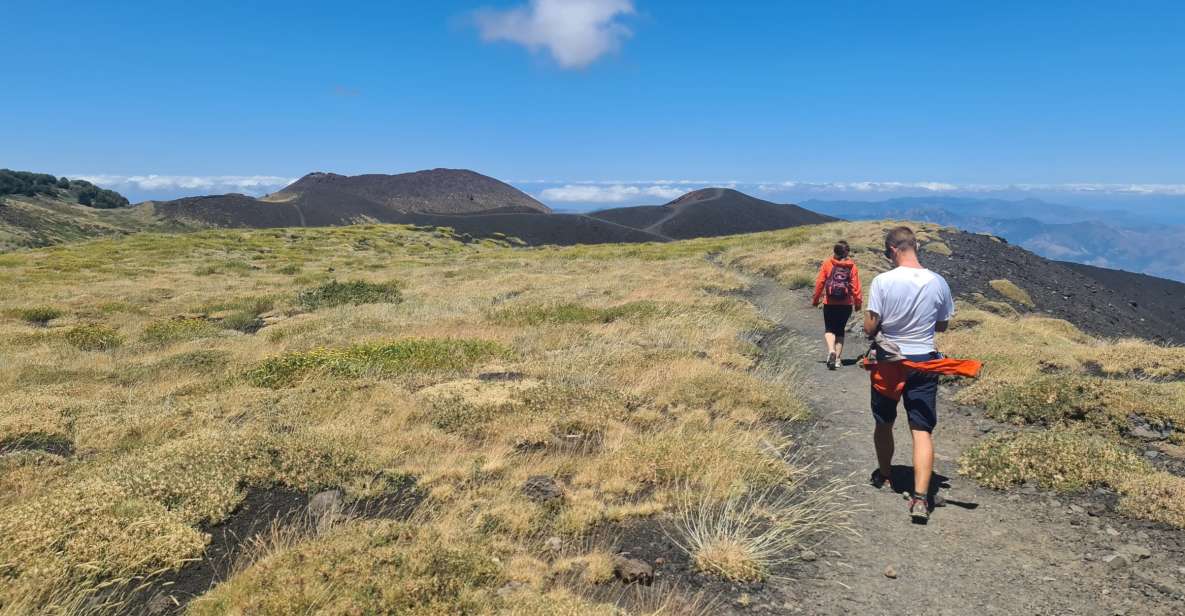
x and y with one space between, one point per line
44 221
636 393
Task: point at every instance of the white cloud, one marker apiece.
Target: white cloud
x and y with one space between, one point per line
574 32
250 184
613 193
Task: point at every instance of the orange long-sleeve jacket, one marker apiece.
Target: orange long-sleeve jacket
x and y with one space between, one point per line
857 298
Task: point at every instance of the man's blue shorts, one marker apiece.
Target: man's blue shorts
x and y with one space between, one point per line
920 398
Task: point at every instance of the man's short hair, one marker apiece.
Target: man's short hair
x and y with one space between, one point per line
901 238
841 250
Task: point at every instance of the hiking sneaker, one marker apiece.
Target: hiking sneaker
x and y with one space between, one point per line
878 480
831 361
919 510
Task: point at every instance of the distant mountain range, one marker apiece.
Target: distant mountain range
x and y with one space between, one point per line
470 203
1103 238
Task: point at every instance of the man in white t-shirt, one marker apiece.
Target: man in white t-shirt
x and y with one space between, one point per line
906 306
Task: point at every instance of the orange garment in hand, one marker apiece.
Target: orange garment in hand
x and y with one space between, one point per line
888 377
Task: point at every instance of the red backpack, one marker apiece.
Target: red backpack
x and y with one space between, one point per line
838 287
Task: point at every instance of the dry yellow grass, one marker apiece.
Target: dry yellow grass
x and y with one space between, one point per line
621 371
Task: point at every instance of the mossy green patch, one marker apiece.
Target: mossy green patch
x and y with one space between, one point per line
355 292
567 313
169 331
375 360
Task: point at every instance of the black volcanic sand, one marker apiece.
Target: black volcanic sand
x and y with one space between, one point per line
1104 303
260 510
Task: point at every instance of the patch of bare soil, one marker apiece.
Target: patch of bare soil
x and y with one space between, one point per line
263 510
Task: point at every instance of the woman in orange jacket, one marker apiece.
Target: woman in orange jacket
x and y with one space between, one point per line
838 287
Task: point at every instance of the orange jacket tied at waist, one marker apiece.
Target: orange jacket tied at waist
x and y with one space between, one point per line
889 372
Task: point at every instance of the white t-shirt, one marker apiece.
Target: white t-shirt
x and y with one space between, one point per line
910 301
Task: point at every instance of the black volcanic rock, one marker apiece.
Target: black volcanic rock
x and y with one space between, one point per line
712 212
1101 302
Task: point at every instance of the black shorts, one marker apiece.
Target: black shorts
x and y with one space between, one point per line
920 398
835 318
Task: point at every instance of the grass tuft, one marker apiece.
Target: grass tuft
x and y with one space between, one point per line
749 536
1008 289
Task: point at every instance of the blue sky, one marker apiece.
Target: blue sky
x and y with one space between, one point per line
605 101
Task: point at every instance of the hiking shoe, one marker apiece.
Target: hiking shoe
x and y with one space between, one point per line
877 480
919 510
831 361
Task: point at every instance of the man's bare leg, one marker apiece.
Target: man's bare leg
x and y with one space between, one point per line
830 339
923 461
838 347
882 439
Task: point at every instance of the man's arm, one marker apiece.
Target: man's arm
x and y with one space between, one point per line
872 322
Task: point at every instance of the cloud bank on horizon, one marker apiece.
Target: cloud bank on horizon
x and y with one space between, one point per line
622 191
574 32
635 192
178 185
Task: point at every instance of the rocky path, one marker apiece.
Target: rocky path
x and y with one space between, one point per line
986 552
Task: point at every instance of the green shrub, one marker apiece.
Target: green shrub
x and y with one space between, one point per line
334 293
245 321
394 358
558 314
166 332
94 337
1050 400
290 269
39 315
1060 460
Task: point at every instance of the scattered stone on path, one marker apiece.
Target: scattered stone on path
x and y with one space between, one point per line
1116 560
542 489
1111 531
890 572
1135 552
809 556
632 571
1077 509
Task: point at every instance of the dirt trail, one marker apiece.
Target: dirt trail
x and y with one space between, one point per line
986 552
